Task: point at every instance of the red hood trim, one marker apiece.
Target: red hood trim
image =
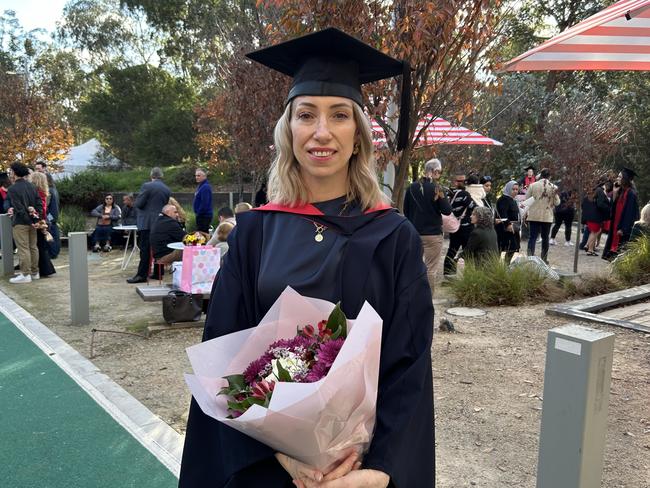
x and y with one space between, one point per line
309 209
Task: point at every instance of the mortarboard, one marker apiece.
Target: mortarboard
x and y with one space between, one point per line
630 174
529 167
332 63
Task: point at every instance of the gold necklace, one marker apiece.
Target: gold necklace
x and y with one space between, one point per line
320 228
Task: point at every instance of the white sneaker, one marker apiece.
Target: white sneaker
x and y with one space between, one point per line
568 243
552 242
21 278
36 276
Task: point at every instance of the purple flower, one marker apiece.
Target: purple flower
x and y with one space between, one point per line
258 368
325 357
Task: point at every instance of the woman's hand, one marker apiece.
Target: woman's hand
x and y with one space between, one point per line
350 463
510 229
299 472
363 478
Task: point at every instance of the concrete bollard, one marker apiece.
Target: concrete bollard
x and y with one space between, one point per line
7 242
78 252
574 414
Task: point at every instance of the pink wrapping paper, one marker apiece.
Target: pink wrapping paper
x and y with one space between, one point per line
316 423
200 266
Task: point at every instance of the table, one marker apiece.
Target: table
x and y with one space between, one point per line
130 229
176 245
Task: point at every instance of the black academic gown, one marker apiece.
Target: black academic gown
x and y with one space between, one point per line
377 257
628 217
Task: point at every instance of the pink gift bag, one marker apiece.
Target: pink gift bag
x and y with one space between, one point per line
200 266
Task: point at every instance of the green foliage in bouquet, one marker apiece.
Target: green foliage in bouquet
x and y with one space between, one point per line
633 266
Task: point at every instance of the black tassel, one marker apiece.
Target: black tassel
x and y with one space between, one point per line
405 108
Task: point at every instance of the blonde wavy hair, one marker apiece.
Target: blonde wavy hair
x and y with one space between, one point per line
286 185
39 180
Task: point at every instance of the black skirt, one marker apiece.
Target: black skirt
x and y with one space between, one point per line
45 266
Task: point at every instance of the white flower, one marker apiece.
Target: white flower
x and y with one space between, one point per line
292 363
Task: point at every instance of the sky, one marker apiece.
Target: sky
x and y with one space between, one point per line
34 14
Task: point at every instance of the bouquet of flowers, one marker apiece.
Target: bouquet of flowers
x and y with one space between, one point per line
311 394
42 226
305 358
195 239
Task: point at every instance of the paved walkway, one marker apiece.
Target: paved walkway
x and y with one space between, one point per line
54 434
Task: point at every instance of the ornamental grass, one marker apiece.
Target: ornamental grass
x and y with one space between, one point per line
633 266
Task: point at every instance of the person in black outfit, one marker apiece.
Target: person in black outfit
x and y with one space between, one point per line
329 235
153 196
424 205
462 206
595 211
129 212
260 197
564 214
166 229
509 226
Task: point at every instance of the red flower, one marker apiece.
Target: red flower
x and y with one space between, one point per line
308 330
261 389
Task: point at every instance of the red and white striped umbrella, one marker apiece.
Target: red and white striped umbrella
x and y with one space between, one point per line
439 132
616 38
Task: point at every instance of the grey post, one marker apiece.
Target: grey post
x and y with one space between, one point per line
576 401
7 242
231 200
78 253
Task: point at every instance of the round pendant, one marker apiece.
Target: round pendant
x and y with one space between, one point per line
318 237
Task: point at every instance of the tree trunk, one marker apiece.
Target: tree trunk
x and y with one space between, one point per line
400 177
552 80
576 250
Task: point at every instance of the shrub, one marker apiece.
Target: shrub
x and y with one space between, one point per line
633 266
85 190
493 283
72 219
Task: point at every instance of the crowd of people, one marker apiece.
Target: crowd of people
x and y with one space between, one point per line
30 197
532 208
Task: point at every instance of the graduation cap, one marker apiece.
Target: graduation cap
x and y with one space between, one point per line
529 167
630 174
332 63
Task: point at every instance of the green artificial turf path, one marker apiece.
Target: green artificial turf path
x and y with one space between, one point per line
53 434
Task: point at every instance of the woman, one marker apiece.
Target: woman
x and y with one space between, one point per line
329 234
182 215
625 211
509 221
476 190
595 211
486 181
45 266
220 237
482 243
108 215
642 226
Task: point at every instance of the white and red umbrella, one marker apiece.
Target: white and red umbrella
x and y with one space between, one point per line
616 38
439 131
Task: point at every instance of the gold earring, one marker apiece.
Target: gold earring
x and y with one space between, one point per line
355 150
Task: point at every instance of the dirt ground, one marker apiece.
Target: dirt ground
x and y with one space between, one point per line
488 378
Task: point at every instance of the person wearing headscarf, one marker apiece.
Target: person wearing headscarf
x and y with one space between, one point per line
625 211
509 226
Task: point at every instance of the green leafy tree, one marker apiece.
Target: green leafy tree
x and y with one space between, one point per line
144 114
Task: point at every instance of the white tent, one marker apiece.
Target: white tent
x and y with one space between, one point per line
81 158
